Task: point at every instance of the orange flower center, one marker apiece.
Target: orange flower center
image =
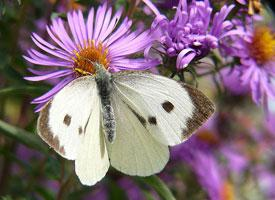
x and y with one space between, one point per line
227 192
85 57
208 137
262 48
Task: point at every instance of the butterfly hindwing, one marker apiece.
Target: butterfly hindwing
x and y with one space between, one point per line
92 161
134 151
63 121
169 110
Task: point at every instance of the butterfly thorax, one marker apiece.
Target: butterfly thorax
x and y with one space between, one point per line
104 86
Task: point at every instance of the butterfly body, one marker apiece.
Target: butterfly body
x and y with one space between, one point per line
104 85
141 113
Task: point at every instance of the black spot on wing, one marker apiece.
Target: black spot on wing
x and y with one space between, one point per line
152 120
80 130
67 120
167 106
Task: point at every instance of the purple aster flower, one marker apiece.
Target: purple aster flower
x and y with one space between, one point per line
269 124
98 193
266 181
236 162
167 4
205 166
132 191
97 39
232 82
192 33
256 51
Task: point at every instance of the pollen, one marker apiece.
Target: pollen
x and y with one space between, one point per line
91 53
262 48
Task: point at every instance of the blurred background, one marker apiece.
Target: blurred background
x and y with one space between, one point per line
231 157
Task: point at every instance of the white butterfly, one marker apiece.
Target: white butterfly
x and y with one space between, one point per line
140 113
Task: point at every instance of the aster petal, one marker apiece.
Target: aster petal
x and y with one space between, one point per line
152 7
100 14
134 64
82 27
256 88
204 12
267 85
43 42
112 25
231 33
184 58
47 63
123 28
47 96
218 20
181 15
105 25
56 74
131 44
227 25
57 41
55 52
39 58
59 29
78 30
39 107
90 24
247 73
70 18
39 72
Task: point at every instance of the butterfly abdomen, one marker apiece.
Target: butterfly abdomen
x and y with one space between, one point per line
104 86
109 122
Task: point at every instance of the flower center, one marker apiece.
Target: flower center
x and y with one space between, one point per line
84 58
262 48
227 192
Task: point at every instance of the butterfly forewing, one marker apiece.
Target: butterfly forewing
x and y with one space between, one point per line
63 121
169 110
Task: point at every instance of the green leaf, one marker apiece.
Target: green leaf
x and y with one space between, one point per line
148 195
44 192
160 187
22 90
6 198
22 136
53 168
115 192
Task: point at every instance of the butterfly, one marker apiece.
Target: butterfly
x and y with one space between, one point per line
125 119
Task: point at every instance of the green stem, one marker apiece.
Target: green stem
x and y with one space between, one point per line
216 70
160 187
22 136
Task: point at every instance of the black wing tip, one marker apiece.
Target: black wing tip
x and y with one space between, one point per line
204 108
45 132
